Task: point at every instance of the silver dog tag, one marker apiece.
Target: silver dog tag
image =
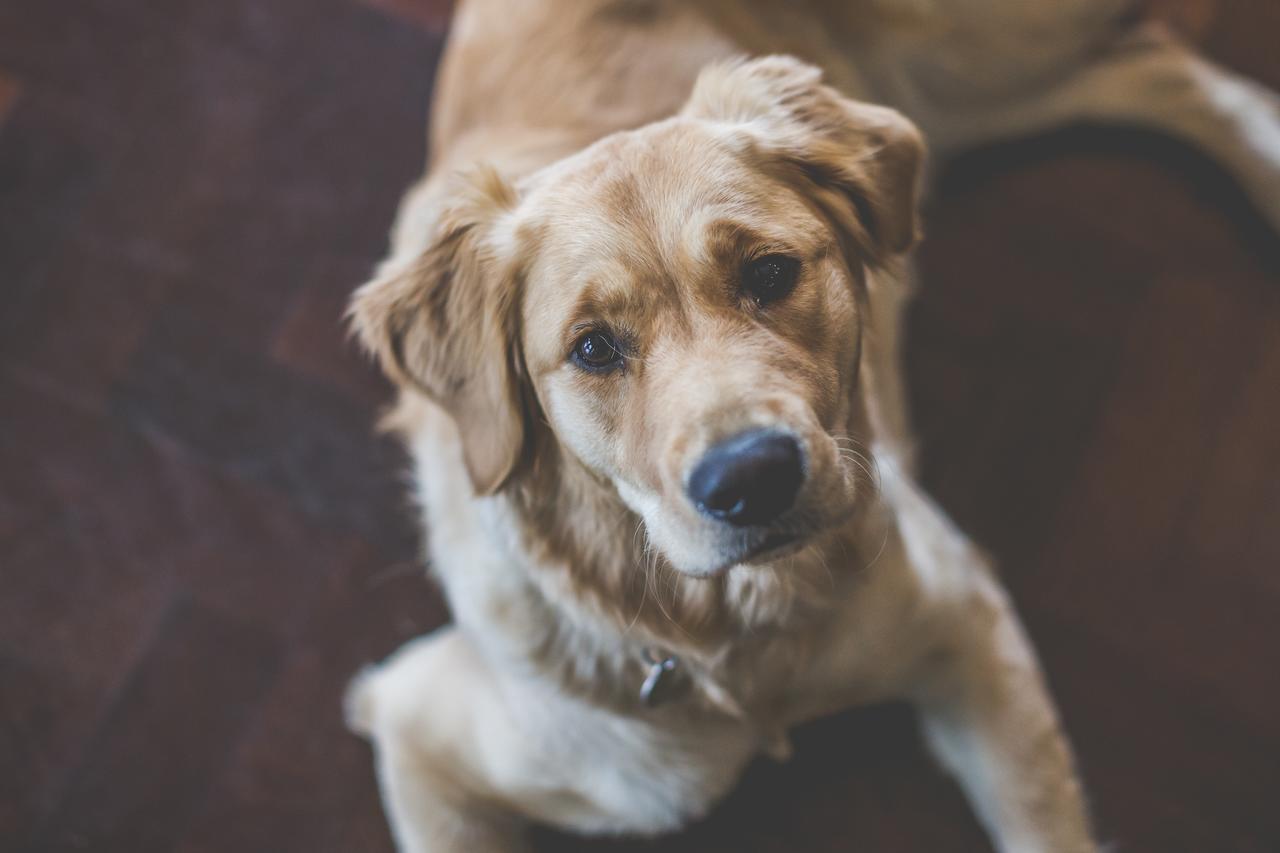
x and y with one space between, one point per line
659 666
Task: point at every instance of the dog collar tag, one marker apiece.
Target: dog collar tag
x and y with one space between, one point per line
659 667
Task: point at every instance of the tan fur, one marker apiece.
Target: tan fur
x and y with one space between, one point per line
614 165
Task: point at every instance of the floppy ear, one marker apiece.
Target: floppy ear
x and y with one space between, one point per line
447 324
866 159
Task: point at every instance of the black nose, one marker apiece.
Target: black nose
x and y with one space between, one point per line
749 479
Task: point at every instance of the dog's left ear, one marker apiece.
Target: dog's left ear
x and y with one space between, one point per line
872 157
446 325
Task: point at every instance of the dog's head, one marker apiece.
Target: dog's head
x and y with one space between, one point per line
681 305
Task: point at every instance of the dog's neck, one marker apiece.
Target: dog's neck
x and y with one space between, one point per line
617 601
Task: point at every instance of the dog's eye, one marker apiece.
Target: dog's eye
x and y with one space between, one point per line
597 351
769 278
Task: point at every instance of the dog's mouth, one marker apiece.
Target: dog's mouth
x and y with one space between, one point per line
764 548
773 546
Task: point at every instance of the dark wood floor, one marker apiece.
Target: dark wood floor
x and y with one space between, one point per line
200 539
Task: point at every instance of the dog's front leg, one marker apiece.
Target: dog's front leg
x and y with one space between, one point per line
988 717
440 733
430 812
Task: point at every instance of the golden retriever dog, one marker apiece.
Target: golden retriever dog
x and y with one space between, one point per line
643 315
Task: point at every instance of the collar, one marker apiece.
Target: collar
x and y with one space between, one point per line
664 671
656 687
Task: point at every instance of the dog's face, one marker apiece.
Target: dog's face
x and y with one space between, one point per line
682 304
691 327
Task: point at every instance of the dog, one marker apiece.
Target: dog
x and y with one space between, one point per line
643 314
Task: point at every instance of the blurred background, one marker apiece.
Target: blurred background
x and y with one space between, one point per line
201 538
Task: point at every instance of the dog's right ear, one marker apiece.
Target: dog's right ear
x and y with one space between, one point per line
869 156
447 324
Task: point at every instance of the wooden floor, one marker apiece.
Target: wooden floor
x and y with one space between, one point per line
200 538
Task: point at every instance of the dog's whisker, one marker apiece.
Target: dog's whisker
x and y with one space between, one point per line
662 607
884 542
822 561
866 464
644 590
